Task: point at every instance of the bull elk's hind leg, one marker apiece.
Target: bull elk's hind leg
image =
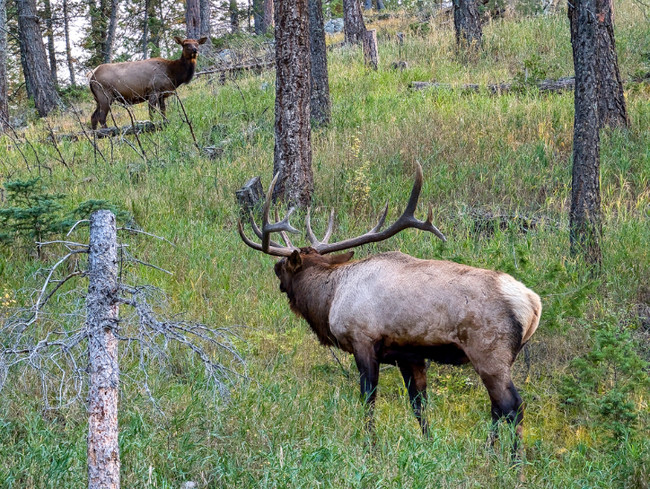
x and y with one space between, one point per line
368 365
415 379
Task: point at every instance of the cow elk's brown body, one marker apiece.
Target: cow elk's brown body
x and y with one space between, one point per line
150 80
395 309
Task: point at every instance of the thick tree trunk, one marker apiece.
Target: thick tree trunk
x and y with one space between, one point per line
320 87
110 34
585 219
292 155
145 29
467 24
370 48
612 110
353 25
193 19
4 106
233 9
49 23
68 50
29 86
45 96
205 31
104 373
268 15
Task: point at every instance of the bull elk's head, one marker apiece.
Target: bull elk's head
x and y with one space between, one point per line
190 46
293 256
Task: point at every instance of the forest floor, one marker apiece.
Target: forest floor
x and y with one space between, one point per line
497 172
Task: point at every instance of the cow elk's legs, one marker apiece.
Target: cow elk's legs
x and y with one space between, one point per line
415 379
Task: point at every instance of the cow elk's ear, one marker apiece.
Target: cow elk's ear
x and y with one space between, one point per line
203 40
178 40
294 262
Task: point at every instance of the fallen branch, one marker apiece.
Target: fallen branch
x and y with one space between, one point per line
557 86
109 132
256 67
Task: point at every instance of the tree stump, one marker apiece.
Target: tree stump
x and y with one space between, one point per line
370 51
251 196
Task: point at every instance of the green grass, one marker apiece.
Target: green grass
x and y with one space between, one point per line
297 421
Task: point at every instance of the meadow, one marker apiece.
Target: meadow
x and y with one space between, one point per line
497 172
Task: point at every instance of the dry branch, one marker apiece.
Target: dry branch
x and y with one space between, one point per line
108 132
557 86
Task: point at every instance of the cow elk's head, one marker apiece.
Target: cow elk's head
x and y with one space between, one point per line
190 46
295 259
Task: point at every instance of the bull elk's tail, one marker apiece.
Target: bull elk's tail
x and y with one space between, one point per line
526 305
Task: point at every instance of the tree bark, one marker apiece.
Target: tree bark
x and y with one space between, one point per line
145 29
258 16
205 31
585 218
292 155
320 87
268 15
193 19
101 324
370 49
110 34
467 24
68 50
353 24
4 105
233 9
38 71
49 23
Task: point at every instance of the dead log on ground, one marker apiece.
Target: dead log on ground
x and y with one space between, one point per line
109 132
556 86
256 67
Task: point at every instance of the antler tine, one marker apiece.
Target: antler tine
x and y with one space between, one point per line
405 221
258 231
285 238
330 226
268 228
310 234
271 250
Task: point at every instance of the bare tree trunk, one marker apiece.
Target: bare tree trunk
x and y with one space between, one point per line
47 12
234 15
370 48
353 25
268 15
68 50
193 19
585 217
612 110
145 30
204 7
320 87
45 96
292 155
467 23
258 16
101 324
4 106
110 34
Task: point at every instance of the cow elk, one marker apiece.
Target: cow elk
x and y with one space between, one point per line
150 80
395 309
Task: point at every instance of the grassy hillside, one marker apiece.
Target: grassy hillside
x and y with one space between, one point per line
295 420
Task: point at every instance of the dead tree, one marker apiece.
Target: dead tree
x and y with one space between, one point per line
585 214
292 154
320 87
104 371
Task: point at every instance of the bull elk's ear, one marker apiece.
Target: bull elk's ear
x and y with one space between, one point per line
178 40
294 262
342 258
203 40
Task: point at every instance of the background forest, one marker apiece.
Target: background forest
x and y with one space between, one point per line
497 172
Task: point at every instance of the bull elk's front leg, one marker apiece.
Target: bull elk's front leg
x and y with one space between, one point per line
415 379
368 366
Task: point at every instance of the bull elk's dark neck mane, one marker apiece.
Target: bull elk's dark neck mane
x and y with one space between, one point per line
310 295
181 70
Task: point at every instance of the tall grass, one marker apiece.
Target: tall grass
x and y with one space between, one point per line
297 422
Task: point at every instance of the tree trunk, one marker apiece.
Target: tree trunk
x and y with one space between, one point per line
268 15
258 16
68 50
45 96
4 106
320 87
585 220
353 25
205 31
145 29
104 373
29 86
292 155
193 19
467 24
47 12
611 101
234 15
110 35
370 49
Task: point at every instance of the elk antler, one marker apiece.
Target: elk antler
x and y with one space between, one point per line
405 221
270 247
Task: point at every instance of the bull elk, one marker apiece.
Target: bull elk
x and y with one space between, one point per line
395 309
150 80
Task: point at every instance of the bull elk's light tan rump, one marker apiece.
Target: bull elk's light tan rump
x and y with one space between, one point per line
396 309
150 80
